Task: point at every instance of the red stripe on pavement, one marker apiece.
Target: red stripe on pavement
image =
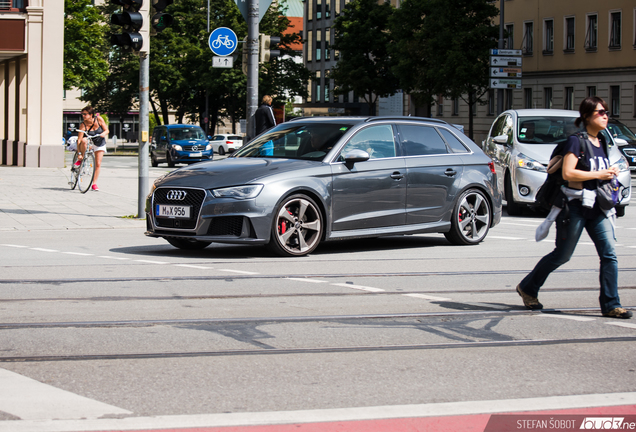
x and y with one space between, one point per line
463 423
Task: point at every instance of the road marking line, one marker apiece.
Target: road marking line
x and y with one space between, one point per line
238 271
15 246
306 280
152 262
113 257
427 297
620 324
443 409
78 253
507 238
44 250
193 266
570 317
32 400
521 224
358 287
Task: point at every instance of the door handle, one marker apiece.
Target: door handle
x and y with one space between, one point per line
450 172
397 175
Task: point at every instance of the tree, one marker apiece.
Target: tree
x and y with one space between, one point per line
365 67
85 48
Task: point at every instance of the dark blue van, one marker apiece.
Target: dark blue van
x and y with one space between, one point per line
179 143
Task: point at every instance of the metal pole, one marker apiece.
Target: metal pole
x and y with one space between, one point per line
252 64
207 91
500 45
144 101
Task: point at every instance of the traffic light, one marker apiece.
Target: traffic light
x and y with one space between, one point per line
131 20
159 19
265 53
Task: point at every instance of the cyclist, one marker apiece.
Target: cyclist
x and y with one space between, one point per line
92 125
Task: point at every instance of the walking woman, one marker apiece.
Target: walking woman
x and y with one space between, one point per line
583 175
92 125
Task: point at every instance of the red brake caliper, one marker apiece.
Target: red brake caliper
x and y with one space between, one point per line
283 224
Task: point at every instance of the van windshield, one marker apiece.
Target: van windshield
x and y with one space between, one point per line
545 129
193 133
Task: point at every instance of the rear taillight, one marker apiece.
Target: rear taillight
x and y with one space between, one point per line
228 142
491 165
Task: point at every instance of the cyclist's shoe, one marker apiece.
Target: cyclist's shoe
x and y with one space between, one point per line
95 188
77 164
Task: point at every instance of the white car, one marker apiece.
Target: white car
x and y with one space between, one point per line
520 143
223 143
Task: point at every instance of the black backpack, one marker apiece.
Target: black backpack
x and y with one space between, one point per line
550 194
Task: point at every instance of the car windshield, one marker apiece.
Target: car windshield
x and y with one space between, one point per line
296 141
193 133
545 129
621 131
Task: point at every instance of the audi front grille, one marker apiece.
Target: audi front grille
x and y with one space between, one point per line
193 197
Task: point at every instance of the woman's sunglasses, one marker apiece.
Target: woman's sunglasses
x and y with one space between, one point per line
602 112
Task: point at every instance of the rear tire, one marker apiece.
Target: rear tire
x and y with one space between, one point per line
86 172
221 150
471 219
74 171
188 244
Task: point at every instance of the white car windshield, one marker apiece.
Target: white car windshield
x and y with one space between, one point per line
545 129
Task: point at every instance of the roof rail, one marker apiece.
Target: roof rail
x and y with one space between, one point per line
428 119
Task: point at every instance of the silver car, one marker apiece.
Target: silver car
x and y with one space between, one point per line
330 178
520 143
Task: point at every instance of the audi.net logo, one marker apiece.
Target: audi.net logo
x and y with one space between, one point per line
176 195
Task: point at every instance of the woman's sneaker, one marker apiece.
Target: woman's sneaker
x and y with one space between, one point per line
619 313
95 188
529 301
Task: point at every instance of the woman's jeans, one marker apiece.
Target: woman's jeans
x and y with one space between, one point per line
568 234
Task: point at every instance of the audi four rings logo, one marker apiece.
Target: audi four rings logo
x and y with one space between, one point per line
195 148
176 195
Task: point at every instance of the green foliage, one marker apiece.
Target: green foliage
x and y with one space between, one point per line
362 36
85 48
105 117
152 122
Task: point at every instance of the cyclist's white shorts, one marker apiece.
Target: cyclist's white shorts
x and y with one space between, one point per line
101 149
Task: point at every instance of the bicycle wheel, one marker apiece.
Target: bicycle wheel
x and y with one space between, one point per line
86 172
74 171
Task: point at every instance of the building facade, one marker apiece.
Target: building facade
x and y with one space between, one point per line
31 81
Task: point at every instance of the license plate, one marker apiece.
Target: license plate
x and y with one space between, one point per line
173 211
199 154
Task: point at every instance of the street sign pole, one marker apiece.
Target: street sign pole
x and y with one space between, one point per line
500 45
144 102
252 64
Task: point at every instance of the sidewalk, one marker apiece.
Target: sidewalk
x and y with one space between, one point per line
41 199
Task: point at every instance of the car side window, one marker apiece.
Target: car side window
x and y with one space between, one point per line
454 142
217 138
421 140
376 140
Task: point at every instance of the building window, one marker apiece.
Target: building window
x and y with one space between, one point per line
548 37
456 105
318 87
547 97
327 44
510 31
527 44
328 8
318 45
310 86
440 105
318 9
591 91
615 101
527 98
569 98
337 7
615 30
327 88
310 10
569 34
310 45
492 101
591 33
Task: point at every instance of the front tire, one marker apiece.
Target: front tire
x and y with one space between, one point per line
188 244
297 227
153 160
74 173
471 218
169 160
86 172
512 207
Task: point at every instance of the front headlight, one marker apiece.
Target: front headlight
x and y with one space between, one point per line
177 147
238 192
622 164
525 162
208 147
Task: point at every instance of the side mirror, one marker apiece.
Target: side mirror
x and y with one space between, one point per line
355 156
209 137
501 139
620 142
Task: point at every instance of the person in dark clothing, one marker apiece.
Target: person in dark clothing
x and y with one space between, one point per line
264 116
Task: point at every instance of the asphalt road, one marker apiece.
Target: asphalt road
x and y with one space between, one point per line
126 326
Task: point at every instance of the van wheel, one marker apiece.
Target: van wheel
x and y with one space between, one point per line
153 160
169 160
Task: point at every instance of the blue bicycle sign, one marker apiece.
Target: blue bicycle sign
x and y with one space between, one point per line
223 41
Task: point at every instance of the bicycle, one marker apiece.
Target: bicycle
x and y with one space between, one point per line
223 40
84 174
